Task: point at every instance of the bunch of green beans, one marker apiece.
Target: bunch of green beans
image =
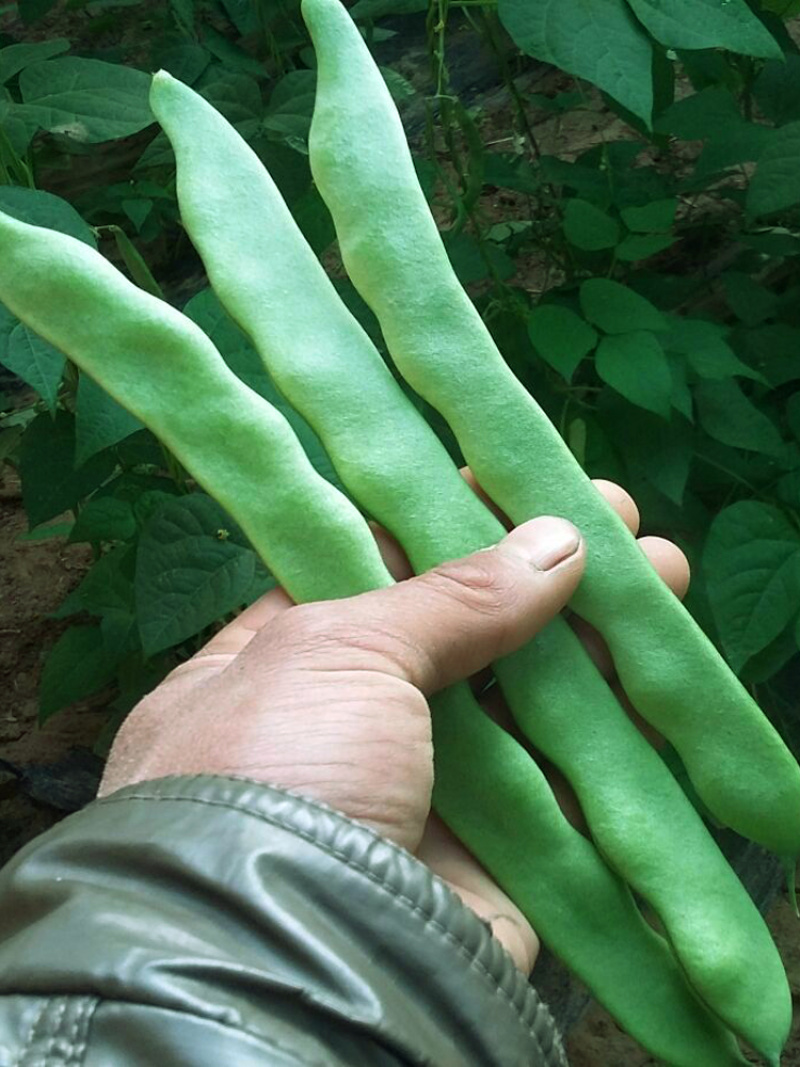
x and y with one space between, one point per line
329 370
160 366
394 255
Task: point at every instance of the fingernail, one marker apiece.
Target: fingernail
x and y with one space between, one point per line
545 542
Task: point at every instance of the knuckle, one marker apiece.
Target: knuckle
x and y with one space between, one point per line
480 583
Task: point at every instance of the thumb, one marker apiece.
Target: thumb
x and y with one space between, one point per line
451 622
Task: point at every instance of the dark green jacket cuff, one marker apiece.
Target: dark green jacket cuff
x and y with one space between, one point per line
217 921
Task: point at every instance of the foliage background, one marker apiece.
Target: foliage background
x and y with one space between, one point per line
617 185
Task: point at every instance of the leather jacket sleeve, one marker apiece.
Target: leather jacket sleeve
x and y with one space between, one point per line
215 921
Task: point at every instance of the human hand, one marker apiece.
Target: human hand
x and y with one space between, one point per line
329 699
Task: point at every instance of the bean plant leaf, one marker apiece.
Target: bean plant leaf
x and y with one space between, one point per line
638 246
104 518
191 570
729 416
617 309
635 365
775 89
86 99
100 421
77 667
749 301
35 361
599 40
31 10
698 116
772 350
752 565
588 228
776 182
106 589
15 57
695 24
706 349
655 217
44 209
561 337
50 482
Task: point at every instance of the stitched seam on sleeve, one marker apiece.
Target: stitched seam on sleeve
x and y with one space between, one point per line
410 904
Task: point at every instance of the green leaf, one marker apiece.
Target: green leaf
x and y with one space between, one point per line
100 421
752 564
636 246
656 217
561 337
617 309
749 301
598 40
588 228
291 105
189 573
50 482
86 99
185 60
775 89
695 24
704 345
78 666
35 361
698 116
785 8
681 394
635 365
772 350
15 57
106 589
231 55
472 259
44 209
776 182
793 414
32 10
727 415
104 519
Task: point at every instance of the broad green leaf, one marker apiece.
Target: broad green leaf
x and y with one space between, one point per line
32 10
750 302
104 519
599 40
314 219
400 88
617 309
100 420
231 55
473 261
752 565
184 59
561 337
681 394
793 414
638 246
236 96
35 361
698 116
47 533
15 57
106 589
745 142
776 89
695 24
44 209
775 185
244 15
291 106
727 415
656 217
785 8
772 350
77 667
588 228
86 99
50 482
655 451
635 366
138 211
183 13
706 350
376 9
189 573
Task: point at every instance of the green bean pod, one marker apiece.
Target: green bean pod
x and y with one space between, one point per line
392 462
395 257
160 366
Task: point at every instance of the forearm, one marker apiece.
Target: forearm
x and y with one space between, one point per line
240 924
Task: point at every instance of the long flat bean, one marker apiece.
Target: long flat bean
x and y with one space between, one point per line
163 368
395 257
387 456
